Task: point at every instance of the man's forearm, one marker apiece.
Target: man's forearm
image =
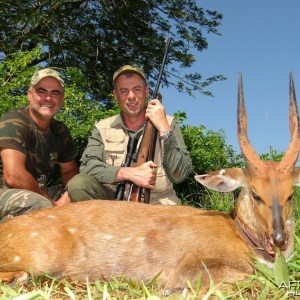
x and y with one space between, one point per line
101 171
177 162
27 182
68 171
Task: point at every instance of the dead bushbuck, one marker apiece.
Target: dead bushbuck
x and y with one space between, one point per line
100 239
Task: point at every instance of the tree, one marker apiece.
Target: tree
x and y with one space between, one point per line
98 36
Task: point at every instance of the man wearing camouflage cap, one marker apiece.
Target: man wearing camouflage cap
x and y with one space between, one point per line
101 167
32 144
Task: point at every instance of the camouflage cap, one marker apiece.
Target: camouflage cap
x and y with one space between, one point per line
128 69
40 74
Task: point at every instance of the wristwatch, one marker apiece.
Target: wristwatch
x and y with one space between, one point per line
166 136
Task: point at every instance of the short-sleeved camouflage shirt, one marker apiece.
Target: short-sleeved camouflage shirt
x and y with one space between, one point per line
43 149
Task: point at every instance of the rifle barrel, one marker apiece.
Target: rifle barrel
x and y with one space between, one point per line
168 41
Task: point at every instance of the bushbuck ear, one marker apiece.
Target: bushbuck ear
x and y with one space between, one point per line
223 180
296 176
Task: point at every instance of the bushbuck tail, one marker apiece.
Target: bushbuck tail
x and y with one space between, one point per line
100 239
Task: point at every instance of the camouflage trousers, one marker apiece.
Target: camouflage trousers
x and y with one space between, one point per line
15 202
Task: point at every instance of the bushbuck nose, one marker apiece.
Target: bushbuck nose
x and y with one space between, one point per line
279 238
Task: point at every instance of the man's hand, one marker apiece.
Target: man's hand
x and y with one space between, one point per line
63 200
143 176
156 113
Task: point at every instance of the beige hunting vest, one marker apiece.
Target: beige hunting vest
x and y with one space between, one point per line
115 141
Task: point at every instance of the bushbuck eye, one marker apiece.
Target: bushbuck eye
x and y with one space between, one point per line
256 197
290 198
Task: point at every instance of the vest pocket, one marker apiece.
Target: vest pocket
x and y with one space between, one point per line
114 149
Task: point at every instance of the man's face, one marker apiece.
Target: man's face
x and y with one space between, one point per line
131 92
46 98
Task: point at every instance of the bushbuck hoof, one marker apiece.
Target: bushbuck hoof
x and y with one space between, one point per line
18 277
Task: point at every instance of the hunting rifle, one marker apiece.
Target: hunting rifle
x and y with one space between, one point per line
146 150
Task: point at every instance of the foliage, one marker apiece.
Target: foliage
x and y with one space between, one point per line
208 151
296 206
272 155
79 113
99 36
15 74
208 148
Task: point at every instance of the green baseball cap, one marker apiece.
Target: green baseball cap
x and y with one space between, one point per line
128 69
40 74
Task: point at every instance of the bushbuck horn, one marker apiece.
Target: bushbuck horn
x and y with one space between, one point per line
291 155
252 159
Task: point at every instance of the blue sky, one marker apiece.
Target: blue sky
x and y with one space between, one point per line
261 40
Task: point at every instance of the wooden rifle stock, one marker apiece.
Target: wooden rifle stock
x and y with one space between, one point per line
146 153
147 147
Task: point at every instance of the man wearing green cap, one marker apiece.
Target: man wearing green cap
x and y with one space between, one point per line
101 167
32 144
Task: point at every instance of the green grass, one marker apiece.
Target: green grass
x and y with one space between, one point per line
265 284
